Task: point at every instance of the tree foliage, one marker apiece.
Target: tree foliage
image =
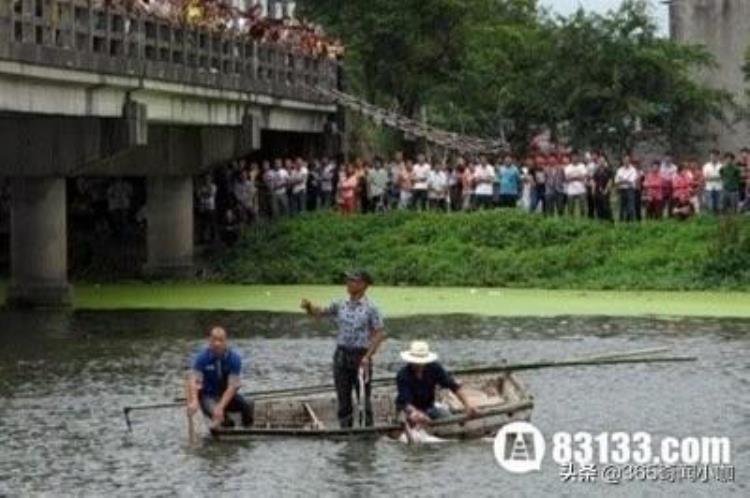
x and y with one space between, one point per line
480 66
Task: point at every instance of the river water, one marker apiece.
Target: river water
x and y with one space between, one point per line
64 378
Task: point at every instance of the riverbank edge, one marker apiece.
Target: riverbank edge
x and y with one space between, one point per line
412 301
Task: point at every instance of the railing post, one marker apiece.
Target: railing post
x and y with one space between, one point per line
255 60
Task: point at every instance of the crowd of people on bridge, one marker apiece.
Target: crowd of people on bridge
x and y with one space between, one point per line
297 35
554 184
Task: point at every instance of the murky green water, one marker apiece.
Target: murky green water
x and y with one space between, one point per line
64 378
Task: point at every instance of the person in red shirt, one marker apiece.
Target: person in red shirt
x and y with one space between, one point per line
653 189
348 188
682 193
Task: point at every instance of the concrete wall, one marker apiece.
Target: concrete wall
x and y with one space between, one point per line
724 27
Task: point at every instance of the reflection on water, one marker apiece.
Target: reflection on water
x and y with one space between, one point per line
64 378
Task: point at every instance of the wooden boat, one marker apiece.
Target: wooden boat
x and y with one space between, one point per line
499 397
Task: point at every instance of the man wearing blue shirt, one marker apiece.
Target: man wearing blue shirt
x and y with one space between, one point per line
509 178
214 382
416 383
360 332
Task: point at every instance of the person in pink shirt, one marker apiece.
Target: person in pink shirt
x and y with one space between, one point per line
348 188
682 193
653 189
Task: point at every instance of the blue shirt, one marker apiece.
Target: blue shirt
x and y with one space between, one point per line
356 320
509 177
215 372
420 393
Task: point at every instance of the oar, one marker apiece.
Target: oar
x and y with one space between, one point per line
190 425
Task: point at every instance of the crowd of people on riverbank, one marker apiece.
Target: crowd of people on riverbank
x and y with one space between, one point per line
554 184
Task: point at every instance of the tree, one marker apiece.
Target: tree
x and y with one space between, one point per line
398 51
481 65
595 80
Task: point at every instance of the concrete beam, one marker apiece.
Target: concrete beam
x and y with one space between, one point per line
35 145
181 150
28 88
38 243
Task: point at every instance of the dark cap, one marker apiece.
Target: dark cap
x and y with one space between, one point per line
359 275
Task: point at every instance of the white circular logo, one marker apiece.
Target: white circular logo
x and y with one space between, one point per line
519 447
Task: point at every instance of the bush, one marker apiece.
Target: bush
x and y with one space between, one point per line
728 261
494 248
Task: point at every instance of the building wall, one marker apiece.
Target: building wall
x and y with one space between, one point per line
724 27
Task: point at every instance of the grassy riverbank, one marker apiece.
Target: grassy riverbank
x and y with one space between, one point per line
495 249
402 301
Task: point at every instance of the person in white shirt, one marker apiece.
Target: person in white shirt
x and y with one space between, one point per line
405 183
394 171
592 161
625 182
575 186
438 188
667 172
280 184
244 193
422 171
298 186
377 182
484 178
712 182
326 183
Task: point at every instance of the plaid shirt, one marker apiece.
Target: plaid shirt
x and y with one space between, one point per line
356 320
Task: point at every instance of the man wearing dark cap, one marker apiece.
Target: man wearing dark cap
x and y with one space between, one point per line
360 332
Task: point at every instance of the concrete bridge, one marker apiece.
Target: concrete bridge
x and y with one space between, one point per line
97 91
723 26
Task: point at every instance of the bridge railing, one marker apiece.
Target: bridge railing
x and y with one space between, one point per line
85 35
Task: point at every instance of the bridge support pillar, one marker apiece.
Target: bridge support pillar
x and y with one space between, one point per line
38 243
169 217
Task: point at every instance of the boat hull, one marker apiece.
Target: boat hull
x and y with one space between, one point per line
500 398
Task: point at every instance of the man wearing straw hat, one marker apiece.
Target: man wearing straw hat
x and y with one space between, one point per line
360 332
416 383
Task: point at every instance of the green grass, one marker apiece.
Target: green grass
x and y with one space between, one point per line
488 263
495 249
405 301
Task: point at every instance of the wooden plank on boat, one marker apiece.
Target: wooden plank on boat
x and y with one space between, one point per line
317 424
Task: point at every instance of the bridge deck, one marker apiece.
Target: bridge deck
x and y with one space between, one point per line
74 34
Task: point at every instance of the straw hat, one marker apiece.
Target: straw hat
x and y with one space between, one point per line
419 353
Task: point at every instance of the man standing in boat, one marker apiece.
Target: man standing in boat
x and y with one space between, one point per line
360 333
416 382
214 381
